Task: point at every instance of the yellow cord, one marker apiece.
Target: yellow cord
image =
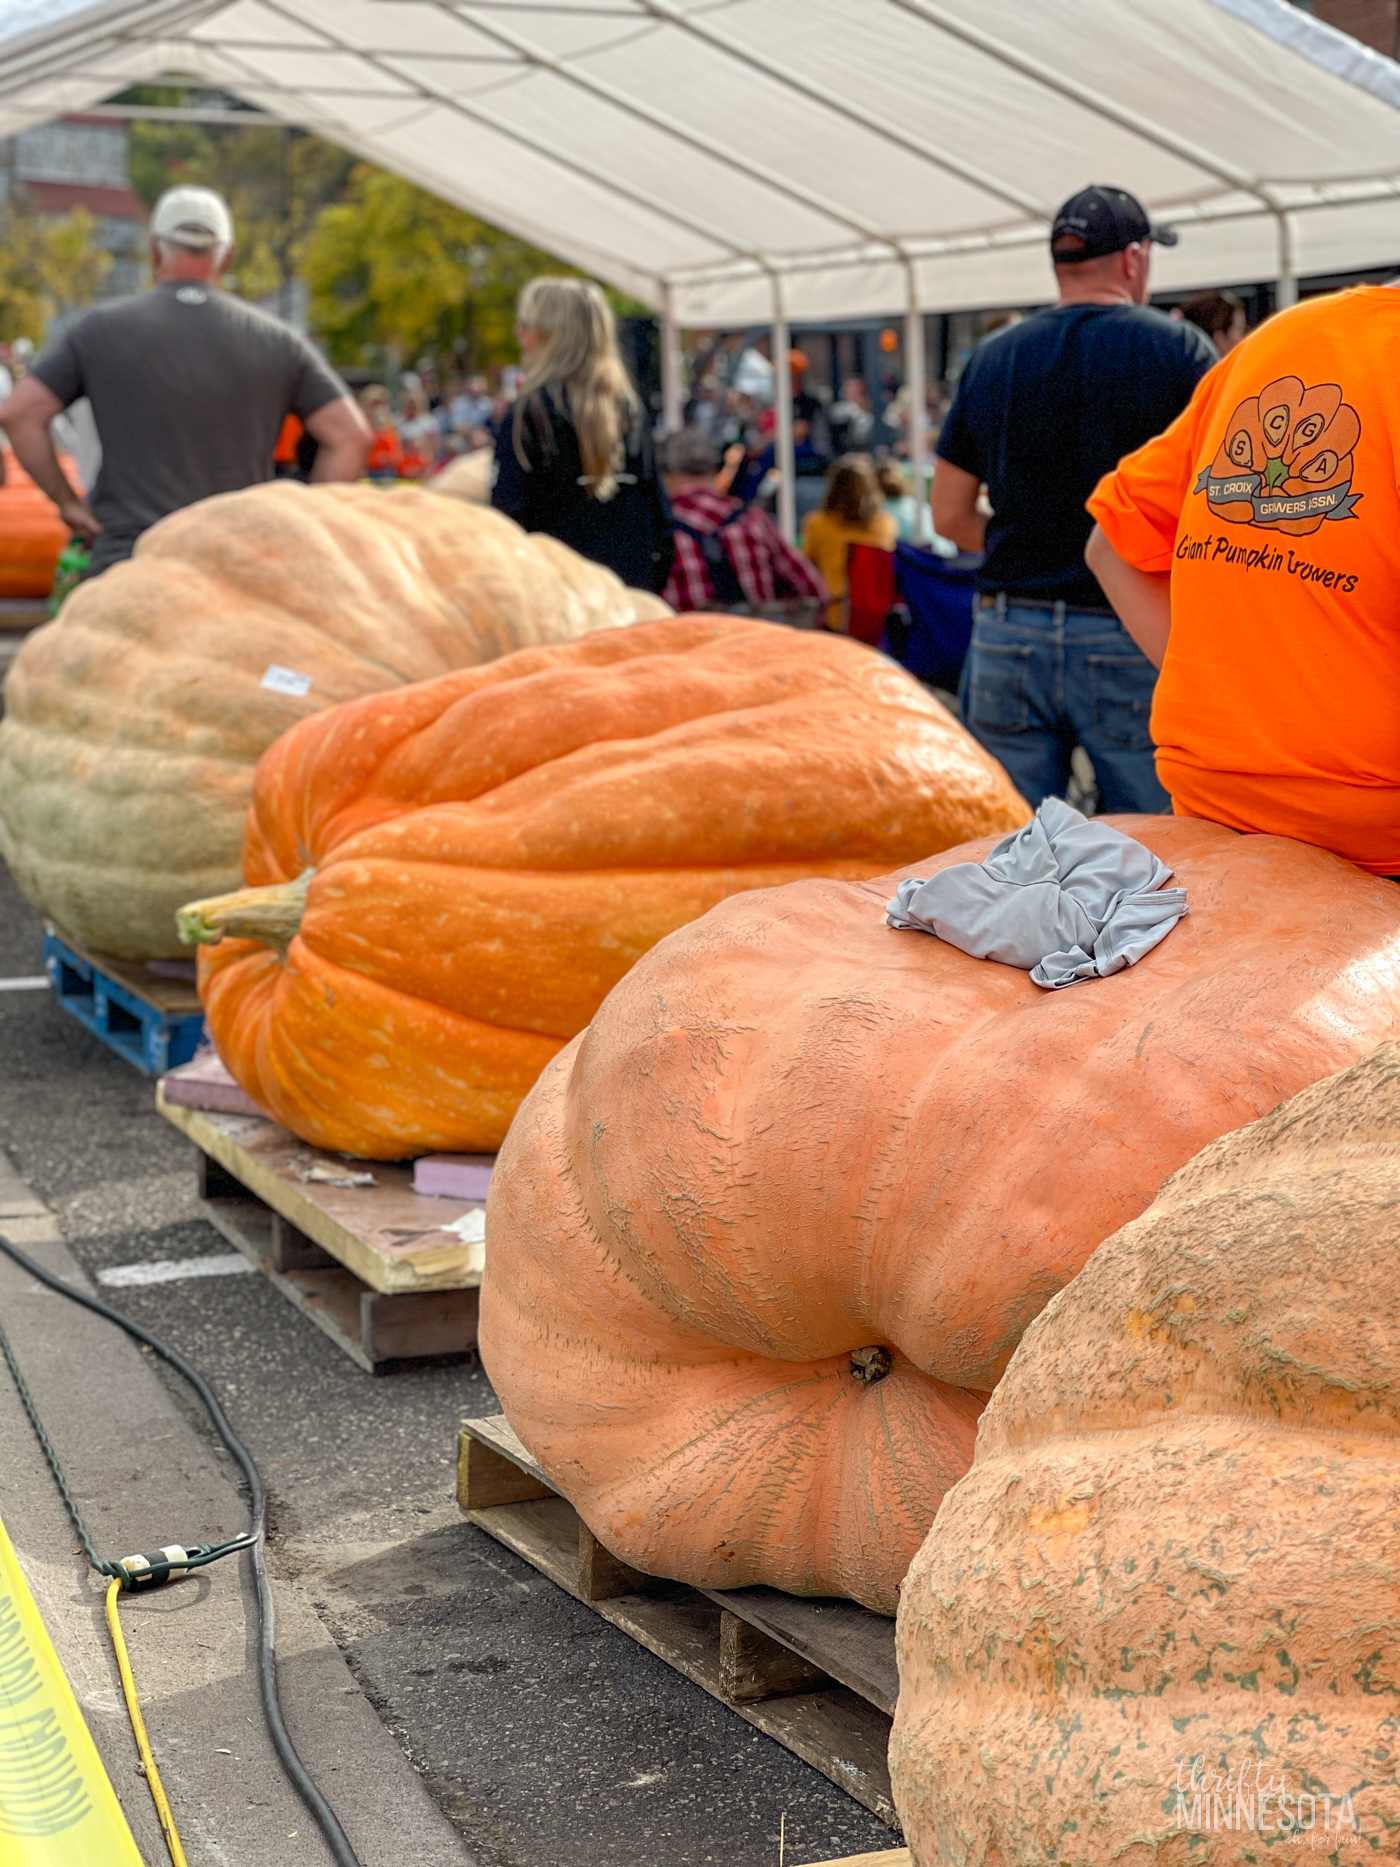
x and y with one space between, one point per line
138 1725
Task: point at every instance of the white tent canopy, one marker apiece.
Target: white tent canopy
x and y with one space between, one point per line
701 148
738 161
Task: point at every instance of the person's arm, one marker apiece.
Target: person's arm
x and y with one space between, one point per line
25 418
342 437
1140 599
955 502
733 460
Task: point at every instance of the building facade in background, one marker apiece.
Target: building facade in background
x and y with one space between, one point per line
1374 22
82 162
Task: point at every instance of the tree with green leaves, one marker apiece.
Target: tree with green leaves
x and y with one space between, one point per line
46 266
394 268
276 180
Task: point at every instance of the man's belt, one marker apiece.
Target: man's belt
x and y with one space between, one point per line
1002 600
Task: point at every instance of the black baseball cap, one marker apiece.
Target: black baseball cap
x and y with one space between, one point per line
1099 221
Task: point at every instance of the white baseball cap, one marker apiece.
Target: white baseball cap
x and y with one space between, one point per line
193 217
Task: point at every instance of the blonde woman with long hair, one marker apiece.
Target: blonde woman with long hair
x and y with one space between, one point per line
574 457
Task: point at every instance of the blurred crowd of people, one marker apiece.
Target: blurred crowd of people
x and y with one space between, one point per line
739 417
430 422
692 516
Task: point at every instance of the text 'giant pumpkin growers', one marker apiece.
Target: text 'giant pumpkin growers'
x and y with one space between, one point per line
1159 1620
134 720
764 1238
488 854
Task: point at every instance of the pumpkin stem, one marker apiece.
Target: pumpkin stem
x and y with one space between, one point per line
871 1364
272 915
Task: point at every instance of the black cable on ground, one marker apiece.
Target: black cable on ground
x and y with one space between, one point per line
321 1811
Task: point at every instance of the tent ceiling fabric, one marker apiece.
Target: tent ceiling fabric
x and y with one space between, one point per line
703 147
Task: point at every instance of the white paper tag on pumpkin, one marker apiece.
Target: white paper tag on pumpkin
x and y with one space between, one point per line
286 681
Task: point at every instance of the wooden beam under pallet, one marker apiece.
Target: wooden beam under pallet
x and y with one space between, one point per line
818 1676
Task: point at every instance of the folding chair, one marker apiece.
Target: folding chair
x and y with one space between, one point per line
938 599
870 592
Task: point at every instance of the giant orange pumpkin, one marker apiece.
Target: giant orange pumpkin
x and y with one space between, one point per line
796 1151
1159 1620
492 851
31 532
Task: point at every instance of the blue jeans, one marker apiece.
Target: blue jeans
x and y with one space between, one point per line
1038 682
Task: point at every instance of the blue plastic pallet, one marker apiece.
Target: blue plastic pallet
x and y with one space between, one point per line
126 1021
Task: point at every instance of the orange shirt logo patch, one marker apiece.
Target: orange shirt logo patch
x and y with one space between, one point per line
1286 460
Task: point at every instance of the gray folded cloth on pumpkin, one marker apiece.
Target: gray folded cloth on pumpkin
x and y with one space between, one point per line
1066 898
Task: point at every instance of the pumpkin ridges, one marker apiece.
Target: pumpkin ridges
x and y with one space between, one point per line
1221 1640
80 886
373 552
315 778
686 797
546 946
1065 1166
438 729
460 738
652 1366
1306 1356
458 1079
1190 1467
649 698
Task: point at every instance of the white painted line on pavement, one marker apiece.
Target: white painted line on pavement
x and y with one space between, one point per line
170 1270
34 983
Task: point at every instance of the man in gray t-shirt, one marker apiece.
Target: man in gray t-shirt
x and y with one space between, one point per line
189 388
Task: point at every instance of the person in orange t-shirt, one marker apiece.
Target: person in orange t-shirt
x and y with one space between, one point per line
1253 553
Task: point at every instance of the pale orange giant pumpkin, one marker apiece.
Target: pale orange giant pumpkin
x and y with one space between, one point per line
1159 1620
488 853
762 1240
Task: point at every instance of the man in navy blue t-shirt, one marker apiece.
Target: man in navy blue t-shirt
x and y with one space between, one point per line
1044 409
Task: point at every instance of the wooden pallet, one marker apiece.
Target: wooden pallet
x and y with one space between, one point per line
369 1265
154 1022
817 1675
888 1857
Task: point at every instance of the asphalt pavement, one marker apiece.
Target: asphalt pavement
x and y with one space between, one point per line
544 1736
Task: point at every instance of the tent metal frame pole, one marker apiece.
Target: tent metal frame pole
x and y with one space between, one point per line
723 272
943 159
416 86
790 188
783 456
1089 99
103 27
671 399
176 113
1286 286
915 380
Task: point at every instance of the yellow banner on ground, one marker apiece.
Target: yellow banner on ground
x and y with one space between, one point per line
57 1808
